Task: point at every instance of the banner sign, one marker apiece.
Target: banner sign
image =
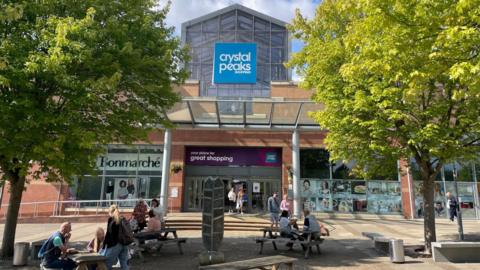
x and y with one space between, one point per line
235 63
233 156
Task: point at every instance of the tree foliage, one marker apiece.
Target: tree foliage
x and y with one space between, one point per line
75 75
399 79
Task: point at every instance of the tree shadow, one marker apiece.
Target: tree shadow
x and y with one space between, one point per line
334 254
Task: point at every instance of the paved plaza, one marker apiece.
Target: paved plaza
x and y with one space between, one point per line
344 249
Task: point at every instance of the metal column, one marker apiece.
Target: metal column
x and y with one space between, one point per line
475 192
297 205
167 146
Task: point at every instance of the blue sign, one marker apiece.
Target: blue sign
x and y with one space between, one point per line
235 63
270 157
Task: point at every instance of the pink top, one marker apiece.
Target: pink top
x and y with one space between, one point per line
153 225
285 205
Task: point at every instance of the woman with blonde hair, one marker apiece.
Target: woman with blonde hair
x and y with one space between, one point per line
97 243
113 248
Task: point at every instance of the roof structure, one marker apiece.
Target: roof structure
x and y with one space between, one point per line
267 114
228 9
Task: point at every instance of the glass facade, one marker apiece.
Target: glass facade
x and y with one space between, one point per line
123 172
332 187
467 175
237 26
349 196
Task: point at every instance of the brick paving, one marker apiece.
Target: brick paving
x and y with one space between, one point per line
345 249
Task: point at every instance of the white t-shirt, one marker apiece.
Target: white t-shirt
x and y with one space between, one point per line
232 196
158 213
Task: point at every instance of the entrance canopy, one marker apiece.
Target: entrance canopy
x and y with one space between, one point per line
252 114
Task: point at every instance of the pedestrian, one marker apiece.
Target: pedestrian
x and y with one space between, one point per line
232 198
114 249
140 214
285 204
240 198
54 251
452 205
274 209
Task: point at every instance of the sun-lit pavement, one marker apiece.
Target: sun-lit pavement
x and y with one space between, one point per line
345 249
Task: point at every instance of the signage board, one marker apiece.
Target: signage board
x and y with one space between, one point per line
235 63
129 161
233 156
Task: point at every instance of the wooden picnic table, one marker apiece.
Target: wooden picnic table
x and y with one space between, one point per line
309 240
160 238
84 260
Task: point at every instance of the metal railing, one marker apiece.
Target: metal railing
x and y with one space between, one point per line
76 207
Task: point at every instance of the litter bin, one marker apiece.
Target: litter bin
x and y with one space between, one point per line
397 254
20 253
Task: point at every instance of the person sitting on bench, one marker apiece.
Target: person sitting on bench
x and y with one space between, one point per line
54 251
310 225
287 226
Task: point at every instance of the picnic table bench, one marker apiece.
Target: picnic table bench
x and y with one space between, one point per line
143 240
83 260
307 244
261 263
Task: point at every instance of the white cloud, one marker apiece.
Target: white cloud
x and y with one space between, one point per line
185 10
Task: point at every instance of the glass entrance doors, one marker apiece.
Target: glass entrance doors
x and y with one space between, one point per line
256 191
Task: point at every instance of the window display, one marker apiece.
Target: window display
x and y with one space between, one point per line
465 197
124 172
384 197
347 196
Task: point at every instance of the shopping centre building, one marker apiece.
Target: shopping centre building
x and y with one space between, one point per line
243 120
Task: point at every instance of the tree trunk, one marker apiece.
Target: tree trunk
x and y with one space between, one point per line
17 183
428 213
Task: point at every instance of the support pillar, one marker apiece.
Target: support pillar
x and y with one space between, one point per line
167 146
475 191
297 205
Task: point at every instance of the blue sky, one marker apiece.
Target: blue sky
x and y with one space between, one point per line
184 10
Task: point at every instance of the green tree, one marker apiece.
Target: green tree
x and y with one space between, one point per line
399 79
75 75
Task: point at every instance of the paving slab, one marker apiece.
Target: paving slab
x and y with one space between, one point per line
345 249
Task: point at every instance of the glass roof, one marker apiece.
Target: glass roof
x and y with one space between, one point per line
249 114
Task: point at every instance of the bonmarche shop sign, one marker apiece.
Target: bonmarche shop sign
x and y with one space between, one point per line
130 162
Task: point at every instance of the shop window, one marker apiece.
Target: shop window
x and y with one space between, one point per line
349 196
125 172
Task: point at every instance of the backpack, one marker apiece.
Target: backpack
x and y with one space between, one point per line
125 234
43 249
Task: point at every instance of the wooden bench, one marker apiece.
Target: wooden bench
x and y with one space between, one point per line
457 252
85 260
156 240
306 244
272 261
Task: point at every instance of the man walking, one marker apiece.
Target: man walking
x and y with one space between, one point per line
452 205
274 210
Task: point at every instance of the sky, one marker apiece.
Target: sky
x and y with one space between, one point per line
185 10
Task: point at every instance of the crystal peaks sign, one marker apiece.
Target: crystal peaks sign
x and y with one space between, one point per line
235 63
